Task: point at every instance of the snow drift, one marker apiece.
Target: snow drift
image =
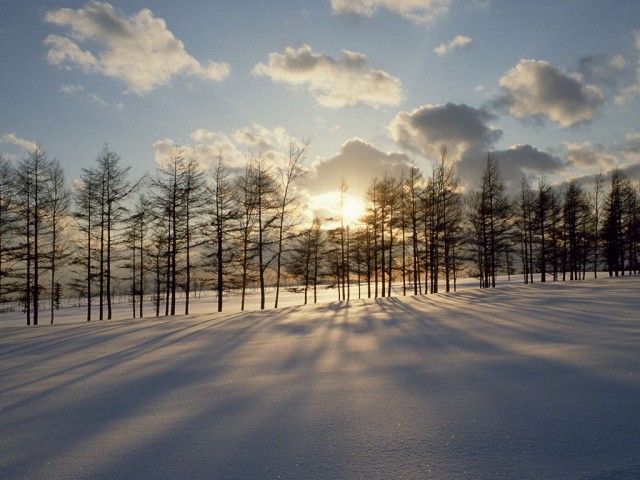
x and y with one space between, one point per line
537 381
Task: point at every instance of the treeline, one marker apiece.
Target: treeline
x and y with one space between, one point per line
183 228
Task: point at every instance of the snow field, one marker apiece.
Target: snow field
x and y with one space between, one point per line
539 381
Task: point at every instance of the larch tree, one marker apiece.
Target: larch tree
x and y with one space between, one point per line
8 222
31 179
287 201
263 185
525 223
575 218
597 193
59 205
344 244
114 189
222 214
193 203
413 185
447 204
247 220
86 201
494 213
167 188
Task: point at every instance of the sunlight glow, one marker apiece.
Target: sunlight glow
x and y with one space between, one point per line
354 210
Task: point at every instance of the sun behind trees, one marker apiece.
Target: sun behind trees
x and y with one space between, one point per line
185 229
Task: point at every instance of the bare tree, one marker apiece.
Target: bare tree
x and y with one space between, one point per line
287 200
167 188
344 242
372 221
32 176
8 222
246 225
87 219
598 186
114 189
59 204
193 204
264 189
414 190
447 204
304 262
493 211
136 234
223 212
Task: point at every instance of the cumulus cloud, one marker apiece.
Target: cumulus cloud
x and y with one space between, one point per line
334 83
585 155
137 49
536 88
358 162
208 146
463 129
519 159
468 135
458 42
13 139
417 11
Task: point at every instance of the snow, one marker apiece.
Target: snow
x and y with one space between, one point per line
537 381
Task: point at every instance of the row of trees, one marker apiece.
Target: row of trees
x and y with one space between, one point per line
232 230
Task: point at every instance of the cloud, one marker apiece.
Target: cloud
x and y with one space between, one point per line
585 155
633 87
334 83
631 146
463 129
519 159
207 145
71 89
358 162
417 11
137 49
603 70
459 42
469 137
13 139
78 90
535 88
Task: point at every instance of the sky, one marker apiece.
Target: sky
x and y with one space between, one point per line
551 88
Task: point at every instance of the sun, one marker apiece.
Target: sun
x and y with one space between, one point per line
353 210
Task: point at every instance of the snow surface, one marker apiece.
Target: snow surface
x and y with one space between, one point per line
538 381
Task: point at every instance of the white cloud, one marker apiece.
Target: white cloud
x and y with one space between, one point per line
208 145
458 42
13 139
79 91
71 89
137 49
418 11
333 83
535 88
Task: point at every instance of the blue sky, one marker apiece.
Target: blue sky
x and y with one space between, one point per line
551 87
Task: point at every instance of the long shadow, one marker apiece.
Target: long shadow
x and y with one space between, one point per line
422 387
